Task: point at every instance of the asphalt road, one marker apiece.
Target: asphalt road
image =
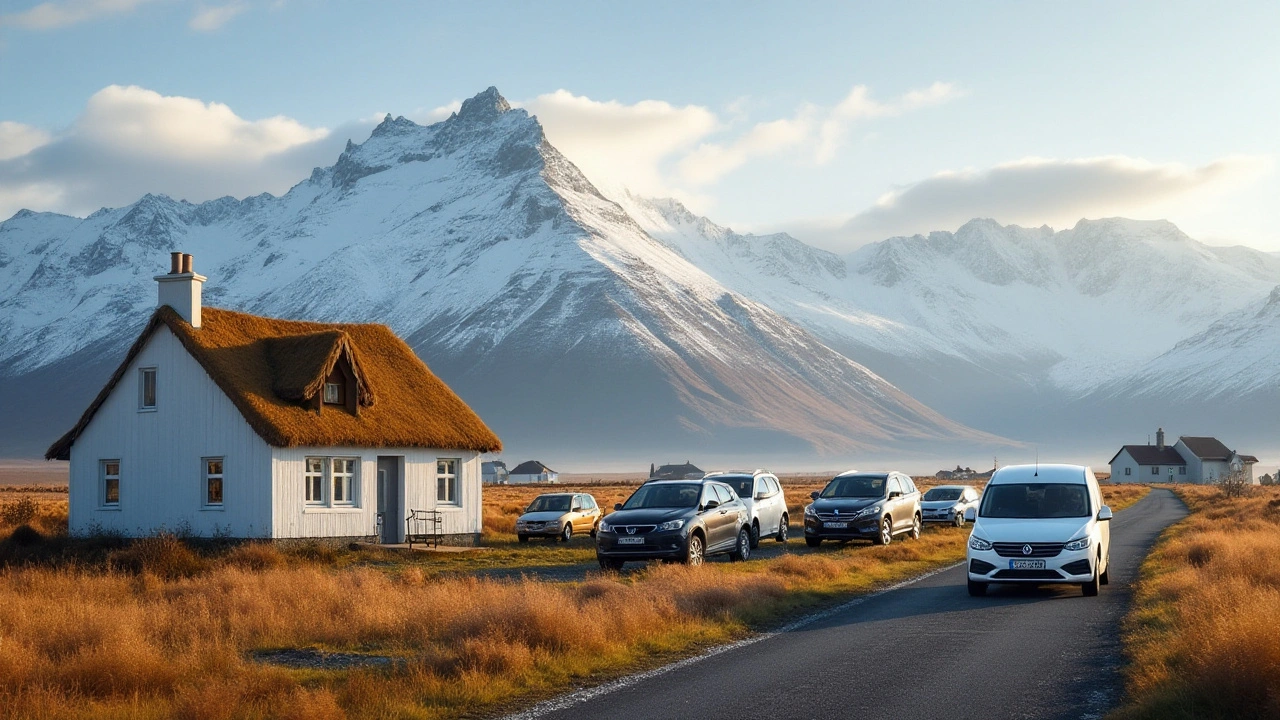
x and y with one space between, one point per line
923 650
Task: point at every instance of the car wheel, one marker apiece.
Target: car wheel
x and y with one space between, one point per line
1090 589
812 542
594 529
959 520
915 527
977 589
693 554
567 533
523 538
742 551
782 530
755 534
886 531
611 564
1105 578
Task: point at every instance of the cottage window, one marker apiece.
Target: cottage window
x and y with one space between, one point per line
213 482
1128 471
344 473
333 393
147 388
447 482
110 483
1155 469
314 481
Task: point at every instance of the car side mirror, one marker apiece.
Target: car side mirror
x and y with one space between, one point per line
894 494
1105 513
711 504
760 495
617 506
815 495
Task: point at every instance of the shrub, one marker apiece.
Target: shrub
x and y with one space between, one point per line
162 555
19 513
25 536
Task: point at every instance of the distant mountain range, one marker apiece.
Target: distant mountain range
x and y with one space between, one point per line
624 328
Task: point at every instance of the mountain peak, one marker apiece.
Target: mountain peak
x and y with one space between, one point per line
486 105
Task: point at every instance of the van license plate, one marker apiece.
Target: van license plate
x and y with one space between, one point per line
635 541
1026 564
835 525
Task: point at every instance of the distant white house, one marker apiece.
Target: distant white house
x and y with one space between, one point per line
1191 459
494 471
532 471
219 422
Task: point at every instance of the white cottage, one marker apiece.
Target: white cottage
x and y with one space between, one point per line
1191 460
224 423
532 471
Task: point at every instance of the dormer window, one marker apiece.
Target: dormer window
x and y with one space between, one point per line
333 394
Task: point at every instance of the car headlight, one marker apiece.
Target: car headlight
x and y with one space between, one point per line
670 525
605 527
1078 544
873 510
809 511
977 543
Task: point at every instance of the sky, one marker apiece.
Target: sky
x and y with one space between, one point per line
841 123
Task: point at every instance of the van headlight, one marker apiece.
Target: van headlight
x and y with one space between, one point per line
670 525
977 543
1078 544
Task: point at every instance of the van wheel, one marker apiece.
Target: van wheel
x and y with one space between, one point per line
886 531
915 527
1105 578
755 534
782 530
812 541
977 589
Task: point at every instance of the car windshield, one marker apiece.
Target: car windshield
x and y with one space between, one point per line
742 485
682 495
1035 500
550 503
857 486
942 494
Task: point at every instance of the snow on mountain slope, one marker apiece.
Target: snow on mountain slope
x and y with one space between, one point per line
546 306
1069 310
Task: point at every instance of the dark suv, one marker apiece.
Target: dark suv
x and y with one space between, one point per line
863 506
675 520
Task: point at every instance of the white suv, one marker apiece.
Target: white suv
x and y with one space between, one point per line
765 502
1041 524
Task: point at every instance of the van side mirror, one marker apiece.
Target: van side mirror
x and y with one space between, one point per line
815 495
617 506
1105 513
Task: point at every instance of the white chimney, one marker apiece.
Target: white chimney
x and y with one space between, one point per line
181 288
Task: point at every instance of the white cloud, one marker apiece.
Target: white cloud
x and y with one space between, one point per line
17 139
130 141
210 18
1036 191
712 161
51 15
859 105
613 143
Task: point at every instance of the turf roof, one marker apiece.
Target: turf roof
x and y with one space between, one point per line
272 370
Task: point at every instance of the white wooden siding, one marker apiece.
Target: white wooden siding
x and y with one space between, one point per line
160 452
293 518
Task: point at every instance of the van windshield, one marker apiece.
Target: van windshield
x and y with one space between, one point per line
1035 500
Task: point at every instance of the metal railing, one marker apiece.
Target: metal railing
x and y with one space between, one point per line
425 527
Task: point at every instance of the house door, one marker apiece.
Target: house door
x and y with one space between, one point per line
390 493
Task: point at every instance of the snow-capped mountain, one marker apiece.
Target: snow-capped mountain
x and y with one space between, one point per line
994 325
544 304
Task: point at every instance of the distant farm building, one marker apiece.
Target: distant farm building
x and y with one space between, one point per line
494 471
1191 460
224 423
685 471
532 471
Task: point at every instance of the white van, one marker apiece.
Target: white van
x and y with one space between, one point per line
1041 524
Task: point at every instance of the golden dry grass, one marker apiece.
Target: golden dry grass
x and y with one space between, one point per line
1202 637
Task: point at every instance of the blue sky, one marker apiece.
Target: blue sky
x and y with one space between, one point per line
840 123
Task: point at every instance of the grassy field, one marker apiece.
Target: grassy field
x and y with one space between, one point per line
1203 638
160 628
